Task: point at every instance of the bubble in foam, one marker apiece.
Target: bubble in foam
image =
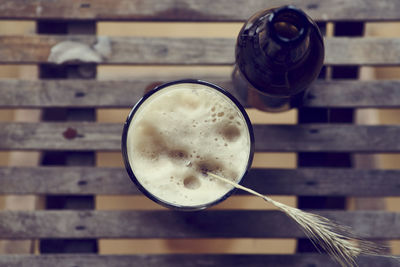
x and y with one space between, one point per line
208 164
230 132
191 182
177 153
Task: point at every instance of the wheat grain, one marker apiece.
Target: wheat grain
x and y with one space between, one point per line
337 240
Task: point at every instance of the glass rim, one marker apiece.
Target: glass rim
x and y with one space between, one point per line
126 157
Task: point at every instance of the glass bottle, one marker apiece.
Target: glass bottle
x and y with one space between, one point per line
279 52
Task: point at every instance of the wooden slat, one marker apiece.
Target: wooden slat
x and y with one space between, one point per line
61 136
125 50
85 260
192 10
199 51
71 93
348 94
175 224
327 137
273 138
66 180
362 51
115 181
325 182
125 93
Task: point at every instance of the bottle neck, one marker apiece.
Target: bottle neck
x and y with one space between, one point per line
284 39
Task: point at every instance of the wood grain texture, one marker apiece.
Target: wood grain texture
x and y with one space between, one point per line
327 137
268 138
324 182
71 93
362 51
194 51
348 94
115 181
125 93
61 136
192 10
175 224
199 260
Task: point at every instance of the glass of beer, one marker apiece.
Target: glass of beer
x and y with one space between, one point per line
178 133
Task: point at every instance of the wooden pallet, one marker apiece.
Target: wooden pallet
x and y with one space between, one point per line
83 136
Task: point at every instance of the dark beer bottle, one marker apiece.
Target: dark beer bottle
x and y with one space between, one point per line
279 52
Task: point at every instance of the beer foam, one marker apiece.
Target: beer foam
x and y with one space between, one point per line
178 135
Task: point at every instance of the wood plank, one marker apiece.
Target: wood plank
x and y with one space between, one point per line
327 137
324 182
69 136
362 51
35 49
272 138
176 224
124 50
115 181
85 260
72 93
66 180
350 94
192 10
125 93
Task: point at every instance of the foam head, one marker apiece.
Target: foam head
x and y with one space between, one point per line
180 131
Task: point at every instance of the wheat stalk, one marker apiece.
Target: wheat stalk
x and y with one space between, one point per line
337 240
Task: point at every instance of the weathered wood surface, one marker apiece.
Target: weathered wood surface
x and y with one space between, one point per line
61 136
115 181
175 224
85 260
327 137
125 93
273 138
199 51
192 10
354 94
324 182
362 51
